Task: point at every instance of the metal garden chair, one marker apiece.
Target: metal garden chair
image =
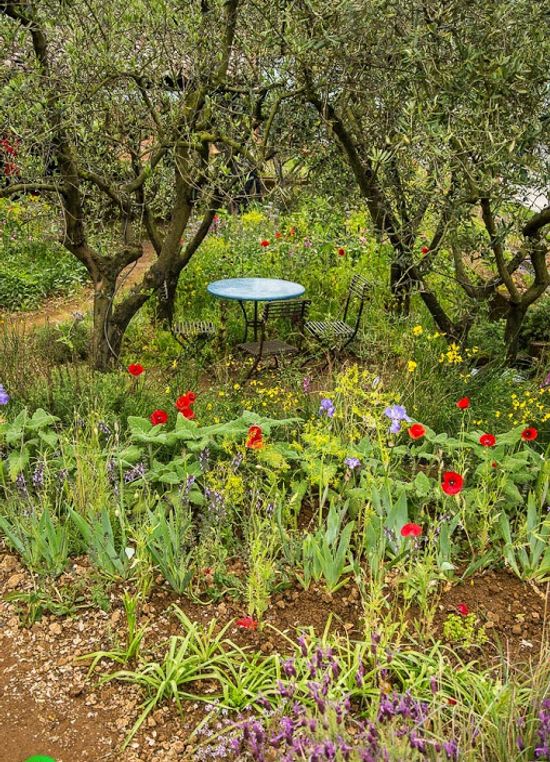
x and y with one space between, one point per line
193 332
294 311
335 335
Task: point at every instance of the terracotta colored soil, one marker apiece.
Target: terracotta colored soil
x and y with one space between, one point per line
47 705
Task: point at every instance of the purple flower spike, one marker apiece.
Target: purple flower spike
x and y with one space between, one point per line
289 668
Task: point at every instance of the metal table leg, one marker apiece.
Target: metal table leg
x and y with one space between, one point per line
250 323
243 308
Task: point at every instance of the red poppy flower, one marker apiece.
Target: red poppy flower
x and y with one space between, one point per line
529 434
463 609
264 243
247 622
185 401
463 403
494 464
452 483
278 234
187 412
341 252
158 416
10 169
424 250
254 440
411 530
451 702
487 440
416 431
136 369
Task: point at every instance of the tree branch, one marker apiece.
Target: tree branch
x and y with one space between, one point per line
30 188
537 222
497 248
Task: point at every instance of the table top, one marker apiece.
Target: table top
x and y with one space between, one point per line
255 289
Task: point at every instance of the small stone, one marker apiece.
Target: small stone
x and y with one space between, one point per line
14 581
9 563
55 628
535 616
281 605
115 617
516 629
266 647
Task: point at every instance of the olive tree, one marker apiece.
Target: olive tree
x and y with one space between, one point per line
438 109
138 120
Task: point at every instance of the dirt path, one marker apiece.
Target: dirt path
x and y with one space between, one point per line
61 309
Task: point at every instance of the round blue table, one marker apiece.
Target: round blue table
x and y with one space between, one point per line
254 290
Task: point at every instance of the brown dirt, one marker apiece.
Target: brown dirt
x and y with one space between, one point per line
60 309
48 706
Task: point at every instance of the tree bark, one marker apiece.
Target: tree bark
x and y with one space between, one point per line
104 347
166 299
514 320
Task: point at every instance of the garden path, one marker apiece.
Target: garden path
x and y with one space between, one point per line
61 309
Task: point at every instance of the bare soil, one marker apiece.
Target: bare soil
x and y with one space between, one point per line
48 705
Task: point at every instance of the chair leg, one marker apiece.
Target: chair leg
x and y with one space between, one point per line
253 369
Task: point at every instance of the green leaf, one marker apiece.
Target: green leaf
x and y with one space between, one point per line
49 437
422 484
17 461
40 419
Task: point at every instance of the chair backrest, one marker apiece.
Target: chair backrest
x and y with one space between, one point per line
294 310
359 289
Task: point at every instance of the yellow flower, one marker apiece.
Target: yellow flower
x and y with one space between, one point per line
411 366
167 390
417 330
